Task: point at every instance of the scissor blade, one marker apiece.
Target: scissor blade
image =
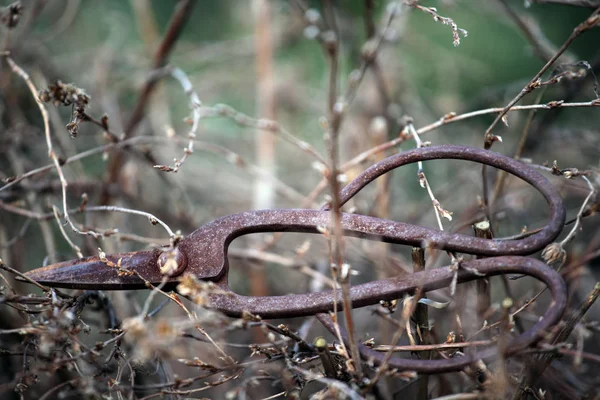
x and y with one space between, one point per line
116 272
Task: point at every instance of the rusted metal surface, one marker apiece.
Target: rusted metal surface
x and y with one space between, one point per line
94 274
204 254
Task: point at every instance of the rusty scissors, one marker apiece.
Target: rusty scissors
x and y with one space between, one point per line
203 253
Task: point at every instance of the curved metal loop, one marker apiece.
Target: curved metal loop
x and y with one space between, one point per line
476 246
437 278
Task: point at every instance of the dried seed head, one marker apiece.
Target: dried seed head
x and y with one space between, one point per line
312 15
389 305
65 94
172 262
345 273
378 127
369 50
507 303
311 32
320 343
554 255
135 326
369 342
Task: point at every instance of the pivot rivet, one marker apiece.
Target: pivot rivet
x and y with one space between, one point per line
172 262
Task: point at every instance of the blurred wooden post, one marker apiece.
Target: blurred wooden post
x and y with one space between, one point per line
264 193
422 322
484 300
158 109
473 299
378 134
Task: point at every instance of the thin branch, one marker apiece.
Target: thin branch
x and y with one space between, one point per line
453 117
434 347
229 155
57 164
62 231
545 359
456 31
262 124
575 228
195 103
534 83
23 276
502 175
153 219
437 208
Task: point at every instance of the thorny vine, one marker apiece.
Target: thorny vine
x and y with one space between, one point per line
60 344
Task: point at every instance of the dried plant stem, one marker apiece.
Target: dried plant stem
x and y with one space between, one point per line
331 126
369 54
101 232
32 198
192 317
153 220
484 290
195 104
551 105
408 307
57 164
569 173
229 155
453 117
56 214
575 228
433 347
502 175
340 386
148 302
262 124
336 111
437 208
62 230
326 358
456 31
23 276
463 396
173 297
